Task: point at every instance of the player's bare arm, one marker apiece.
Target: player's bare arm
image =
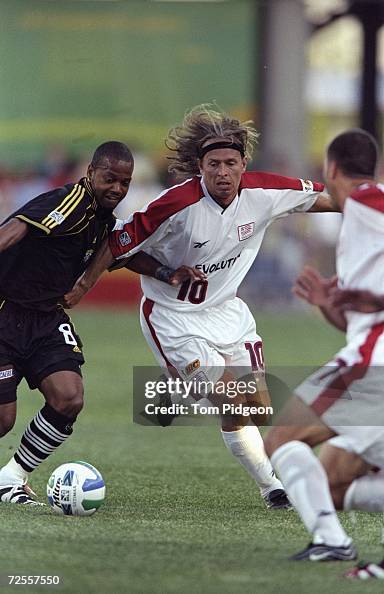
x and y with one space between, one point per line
324 203
141 263
102 260
316 289
357 300
11 233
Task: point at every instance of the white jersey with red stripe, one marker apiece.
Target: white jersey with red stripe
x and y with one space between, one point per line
185 226
360 253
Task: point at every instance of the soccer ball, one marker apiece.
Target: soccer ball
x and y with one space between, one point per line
75 489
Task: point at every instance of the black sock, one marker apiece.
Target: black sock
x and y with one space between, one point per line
44 434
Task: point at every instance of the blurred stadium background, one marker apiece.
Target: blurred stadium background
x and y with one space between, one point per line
180 516
76 73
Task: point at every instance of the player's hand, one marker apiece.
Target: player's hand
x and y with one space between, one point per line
314 288
184 273
357 300
75 295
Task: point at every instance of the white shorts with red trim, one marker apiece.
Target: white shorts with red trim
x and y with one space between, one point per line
350 398
205 341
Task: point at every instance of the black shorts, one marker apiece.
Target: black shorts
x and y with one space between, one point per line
34 344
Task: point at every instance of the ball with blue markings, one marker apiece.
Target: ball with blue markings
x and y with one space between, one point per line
75 489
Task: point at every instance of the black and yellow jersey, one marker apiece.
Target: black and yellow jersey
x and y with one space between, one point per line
65 228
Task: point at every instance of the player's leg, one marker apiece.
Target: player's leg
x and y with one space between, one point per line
176 344
54 369
245 370
356 479
304 478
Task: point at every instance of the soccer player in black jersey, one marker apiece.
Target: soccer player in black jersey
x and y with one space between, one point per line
44 247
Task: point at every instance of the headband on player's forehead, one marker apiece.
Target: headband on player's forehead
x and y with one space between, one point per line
221 144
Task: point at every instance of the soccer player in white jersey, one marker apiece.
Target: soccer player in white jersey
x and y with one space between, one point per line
214 221
342 400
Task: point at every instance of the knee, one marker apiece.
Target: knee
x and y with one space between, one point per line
68 402
6 423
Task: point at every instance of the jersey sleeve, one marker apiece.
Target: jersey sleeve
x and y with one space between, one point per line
286 194
54 213
136 233
150 226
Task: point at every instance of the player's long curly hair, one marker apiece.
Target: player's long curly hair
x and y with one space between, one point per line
200 124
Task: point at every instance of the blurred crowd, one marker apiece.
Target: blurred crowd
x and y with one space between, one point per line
288 245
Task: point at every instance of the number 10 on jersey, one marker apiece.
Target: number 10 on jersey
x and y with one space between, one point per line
195 292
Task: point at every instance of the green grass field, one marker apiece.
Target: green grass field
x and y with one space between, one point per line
180 514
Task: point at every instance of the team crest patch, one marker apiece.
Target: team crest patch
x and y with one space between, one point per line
191 367
245 231
307 185
124 238
56 216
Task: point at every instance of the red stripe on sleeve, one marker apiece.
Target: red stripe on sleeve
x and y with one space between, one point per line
144 224
265 180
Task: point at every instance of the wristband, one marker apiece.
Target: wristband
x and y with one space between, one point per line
164 273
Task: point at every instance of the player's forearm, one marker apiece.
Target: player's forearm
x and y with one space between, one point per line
335 317
11 233
102 260
324 203
143 263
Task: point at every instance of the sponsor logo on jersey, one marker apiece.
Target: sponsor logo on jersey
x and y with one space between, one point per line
76 349
6 374
199 244
307 185
209 268
191 367
56 216
124 238
245 231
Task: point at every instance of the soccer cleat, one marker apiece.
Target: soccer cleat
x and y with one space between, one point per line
324 552
366 571
277 499
18 494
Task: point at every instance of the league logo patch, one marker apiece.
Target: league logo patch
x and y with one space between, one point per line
191 367
245 231
307 185
6 373
124 238
56 216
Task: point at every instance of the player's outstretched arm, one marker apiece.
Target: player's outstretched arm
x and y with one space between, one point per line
324 203
314 288
143 263
357 300
12 232
102 260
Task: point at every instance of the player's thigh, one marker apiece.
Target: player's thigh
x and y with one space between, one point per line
342 466
297 421
58 349
176 346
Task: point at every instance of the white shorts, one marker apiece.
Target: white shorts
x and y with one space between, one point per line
349 398
208 340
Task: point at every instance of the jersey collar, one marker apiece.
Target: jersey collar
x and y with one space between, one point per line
213 202
85 182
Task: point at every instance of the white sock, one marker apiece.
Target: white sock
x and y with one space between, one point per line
366 493
248 448
307 487
13 474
